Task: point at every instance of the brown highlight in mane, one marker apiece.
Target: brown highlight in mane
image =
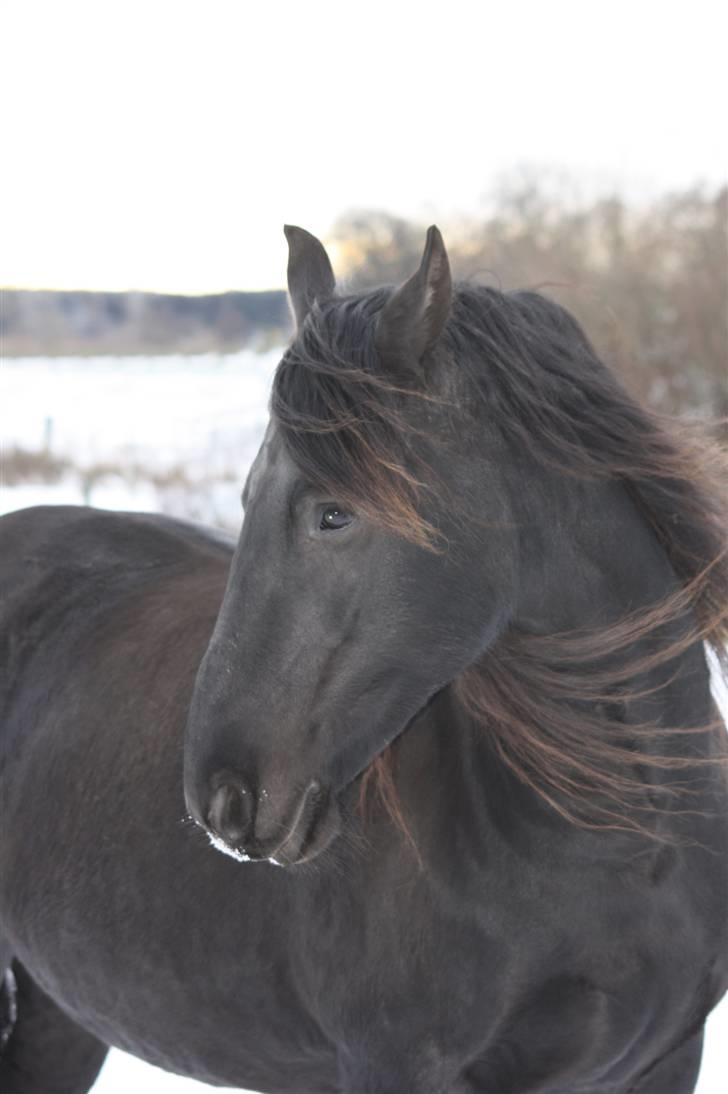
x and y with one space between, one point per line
345 422
378 783
552 705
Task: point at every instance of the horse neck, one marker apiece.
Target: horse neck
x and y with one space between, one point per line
591 558
588 556
594 561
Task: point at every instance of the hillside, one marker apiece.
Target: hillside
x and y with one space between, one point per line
53 323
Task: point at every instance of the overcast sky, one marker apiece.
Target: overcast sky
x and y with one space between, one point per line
161 144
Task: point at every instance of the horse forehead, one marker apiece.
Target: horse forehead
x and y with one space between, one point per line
271 463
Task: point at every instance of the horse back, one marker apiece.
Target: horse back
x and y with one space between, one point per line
66 571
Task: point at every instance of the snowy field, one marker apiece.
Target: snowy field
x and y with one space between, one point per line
174 435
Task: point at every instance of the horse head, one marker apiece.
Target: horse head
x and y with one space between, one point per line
376 561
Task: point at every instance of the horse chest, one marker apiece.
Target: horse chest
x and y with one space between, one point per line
516 977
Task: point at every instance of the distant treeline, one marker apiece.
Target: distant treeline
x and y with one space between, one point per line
649 282
83 323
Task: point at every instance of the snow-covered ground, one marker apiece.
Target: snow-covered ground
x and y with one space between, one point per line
174 434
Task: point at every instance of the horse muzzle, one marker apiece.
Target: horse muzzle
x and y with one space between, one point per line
256 824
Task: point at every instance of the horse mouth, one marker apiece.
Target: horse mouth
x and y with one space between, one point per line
315 827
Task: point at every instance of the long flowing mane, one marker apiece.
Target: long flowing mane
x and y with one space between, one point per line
553 705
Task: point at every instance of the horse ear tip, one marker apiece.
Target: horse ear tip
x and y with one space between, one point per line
292 231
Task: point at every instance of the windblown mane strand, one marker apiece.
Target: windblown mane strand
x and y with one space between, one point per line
553 705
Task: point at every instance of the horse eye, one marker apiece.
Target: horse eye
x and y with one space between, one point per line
334 518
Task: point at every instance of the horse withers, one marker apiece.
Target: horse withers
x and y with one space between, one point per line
445 707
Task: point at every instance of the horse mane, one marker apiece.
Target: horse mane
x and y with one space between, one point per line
553 705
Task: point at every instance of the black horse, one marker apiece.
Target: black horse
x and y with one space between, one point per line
456 688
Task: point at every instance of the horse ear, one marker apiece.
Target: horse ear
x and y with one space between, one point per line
310 276
413 318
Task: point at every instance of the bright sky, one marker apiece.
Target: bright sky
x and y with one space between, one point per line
161 144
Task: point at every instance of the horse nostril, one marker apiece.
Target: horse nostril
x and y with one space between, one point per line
230 814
